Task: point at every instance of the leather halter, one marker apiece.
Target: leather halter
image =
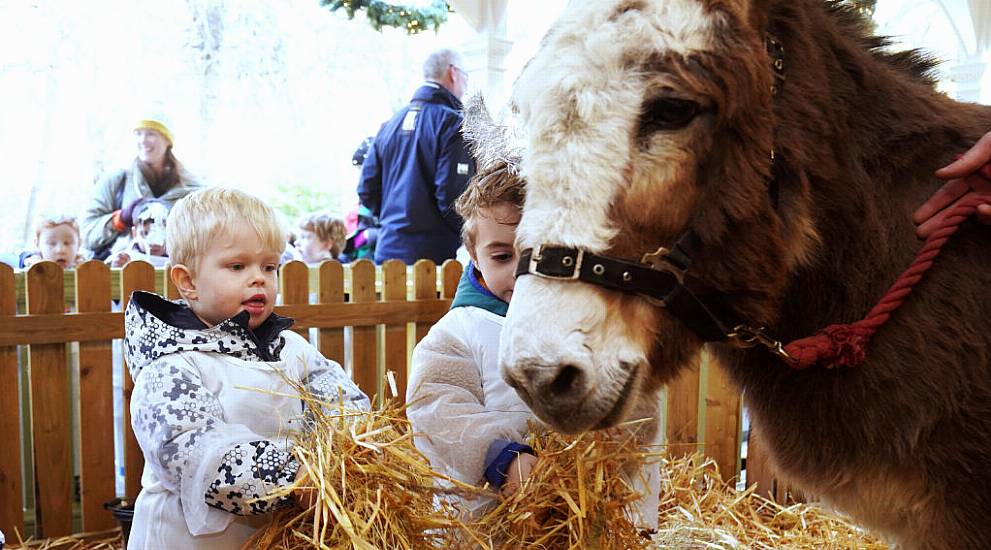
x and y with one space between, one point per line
659 276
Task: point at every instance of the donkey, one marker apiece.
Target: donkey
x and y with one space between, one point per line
778 150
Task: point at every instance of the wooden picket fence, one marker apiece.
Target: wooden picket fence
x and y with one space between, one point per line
388 310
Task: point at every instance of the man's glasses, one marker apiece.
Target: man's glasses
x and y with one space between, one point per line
464 72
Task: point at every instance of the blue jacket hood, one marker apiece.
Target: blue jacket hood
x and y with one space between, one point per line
471 292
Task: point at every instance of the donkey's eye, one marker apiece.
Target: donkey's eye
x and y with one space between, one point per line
667 113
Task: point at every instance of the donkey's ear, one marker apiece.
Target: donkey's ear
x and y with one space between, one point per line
488 141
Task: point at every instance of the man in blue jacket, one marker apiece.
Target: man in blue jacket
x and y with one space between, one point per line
418 166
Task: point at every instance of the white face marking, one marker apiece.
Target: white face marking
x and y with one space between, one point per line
578 354
579 101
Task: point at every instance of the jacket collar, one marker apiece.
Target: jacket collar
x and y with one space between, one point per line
432 92
155 327
471 292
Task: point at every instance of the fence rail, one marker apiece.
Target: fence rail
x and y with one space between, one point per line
386 309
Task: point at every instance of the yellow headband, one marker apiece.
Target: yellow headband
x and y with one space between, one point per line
155 125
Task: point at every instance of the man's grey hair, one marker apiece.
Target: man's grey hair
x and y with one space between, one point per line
439 61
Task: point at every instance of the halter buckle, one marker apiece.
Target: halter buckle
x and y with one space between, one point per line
658 260
574 263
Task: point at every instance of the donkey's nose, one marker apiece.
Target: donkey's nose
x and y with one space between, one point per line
556 387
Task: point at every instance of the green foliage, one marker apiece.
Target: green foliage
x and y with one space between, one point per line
295 200
401 16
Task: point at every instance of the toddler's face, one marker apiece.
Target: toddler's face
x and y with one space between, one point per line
312 247
494 253
59 244
237 273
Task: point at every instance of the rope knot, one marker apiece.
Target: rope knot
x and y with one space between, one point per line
833 346
848 345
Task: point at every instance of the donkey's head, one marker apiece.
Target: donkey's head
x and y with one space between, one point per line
643 120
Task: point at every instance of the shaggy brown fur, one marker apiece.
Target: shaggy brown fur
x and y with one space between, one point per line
903 441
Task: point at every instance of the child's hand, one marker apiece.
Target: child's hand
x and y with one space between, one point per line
519 470
31 260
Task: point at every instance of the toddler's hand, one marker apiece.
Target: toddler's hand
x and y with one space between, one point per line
519 470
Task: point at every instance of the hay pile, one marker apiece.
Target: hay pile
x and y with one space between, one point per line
369 488
111 540
373 490
574 498
699 510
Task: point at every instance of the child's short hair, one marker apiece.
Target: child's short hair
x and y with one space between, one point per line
327 228
197 217
48 222
486 189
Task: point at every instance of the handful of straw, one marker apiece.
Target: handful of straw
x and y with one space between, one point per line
370 488
575 496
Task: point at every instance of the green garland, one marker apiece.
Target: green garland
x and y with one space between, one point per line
865 7
385 14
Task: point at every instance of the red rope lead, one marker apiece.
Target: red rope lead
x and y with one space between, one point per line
844 345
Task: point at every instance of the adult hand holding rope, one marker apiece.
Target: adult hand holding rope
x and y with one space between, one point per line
969 175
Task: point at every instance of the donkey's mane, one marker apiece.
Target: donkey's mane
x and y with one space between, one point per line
917 63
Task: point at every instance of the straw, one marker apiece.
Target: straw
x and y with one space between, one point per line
111 540
370 487
699 510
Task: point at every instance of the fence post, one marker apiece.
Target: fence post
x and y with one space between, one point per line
11 510
365 363
331 291
294 286
50 408
96 410
450 277
722 419
135 276
424 288
682 430
396 359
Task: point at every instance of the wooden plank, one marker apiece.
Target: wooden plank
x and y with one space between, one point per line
97 409
330 341
135 276
294 288
11 510
424 288
89 327
682 430
365 363
449 278
722 419
396 356
759 468
50 409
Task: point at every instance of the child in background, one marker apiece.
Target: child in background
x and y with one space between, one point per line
321 237
473 423
147 241
211 405
55 239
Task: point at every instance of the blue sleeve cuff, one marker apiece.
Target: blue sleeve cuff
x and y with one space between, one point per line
497 468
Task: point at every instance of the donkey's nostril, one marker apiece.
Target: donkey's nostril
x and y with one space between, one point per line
567 379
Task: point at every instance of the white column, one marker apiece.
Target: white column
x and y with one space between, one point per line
968 75
485 53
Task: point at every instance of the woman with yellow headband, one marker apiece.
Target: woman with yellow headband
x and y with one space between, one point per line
154 173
